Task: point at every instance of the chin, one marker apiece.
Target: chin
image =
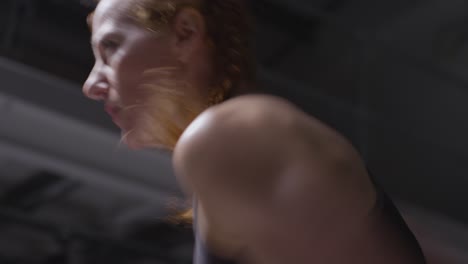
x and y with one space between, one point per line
140 141
131 142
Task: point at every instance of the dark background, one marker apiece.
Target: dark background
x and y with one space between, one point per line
390 75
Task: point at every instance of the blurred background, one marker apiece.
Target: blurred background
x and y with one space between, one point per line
389 75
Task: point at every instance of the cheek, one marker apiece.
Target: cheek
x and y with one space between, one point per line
128 77
134 63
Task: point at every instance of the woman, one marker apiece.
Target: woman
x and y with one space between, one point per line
270 183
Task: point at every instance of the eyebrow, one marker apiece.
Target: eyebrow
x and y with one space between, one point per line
95 41
96 37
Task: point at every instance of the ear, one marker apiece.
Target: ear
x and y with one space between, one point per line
189 32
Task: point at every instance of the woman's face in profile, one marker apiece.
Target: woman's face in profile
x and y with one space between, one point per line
132 74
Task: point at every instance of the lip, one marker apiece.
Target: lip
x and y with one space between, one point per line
113 111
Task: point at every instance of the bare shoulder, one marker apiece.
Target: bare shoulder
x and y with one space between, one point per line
229 133
256 120
244 124
257 158
251 110
249 113
260 129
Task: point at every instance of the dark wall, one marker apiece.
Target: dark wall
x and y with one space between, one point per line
387 74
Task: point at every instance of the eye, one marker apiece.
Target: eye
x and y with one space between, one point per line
109 45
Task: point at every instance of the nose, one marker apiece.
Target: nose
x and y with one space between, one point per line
96 86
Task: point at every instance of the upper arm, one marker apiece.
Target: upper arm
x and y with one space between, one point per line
231 156
232 153
247 164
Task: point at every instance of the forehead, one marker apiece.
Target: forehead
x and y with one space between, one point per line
117 11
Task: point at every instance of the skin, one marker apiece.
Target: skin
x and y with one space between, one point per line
124 53
273 184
